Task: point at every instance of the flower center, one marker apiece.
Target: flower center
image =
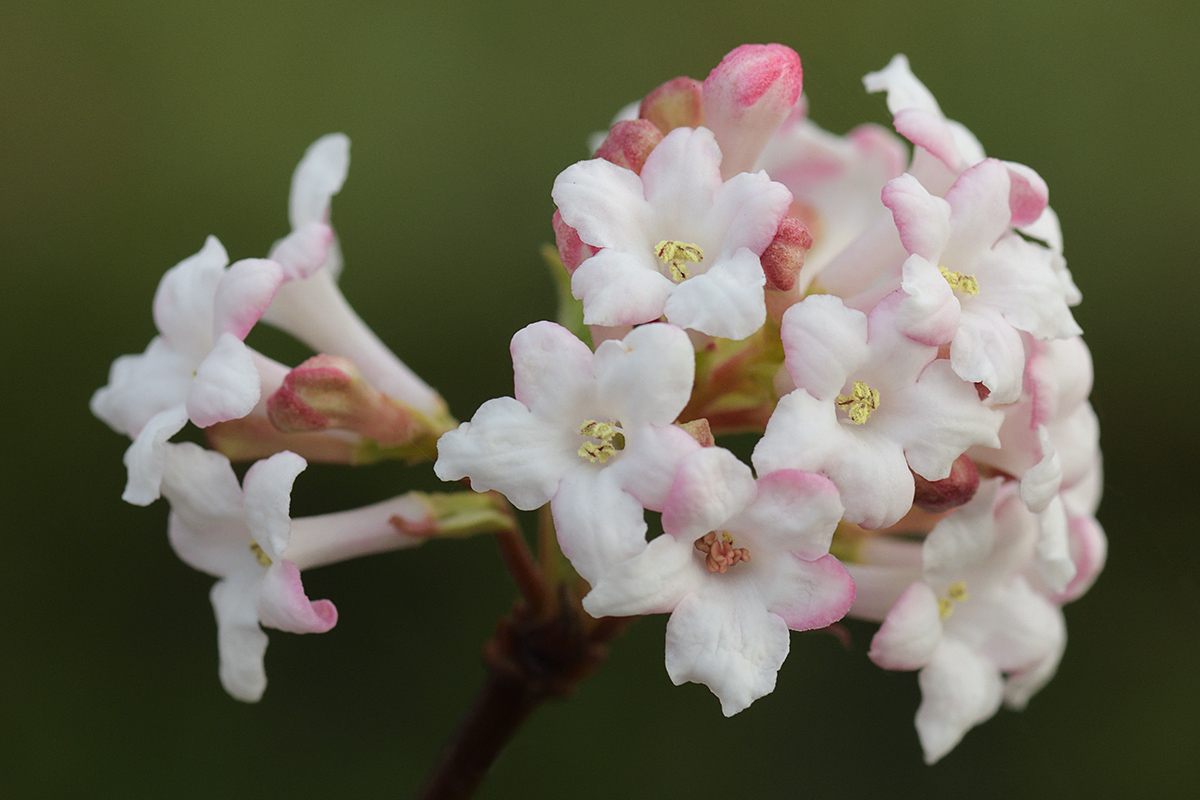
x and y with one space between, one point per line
720 554
602 446
859 404
259 554
677 256
957 593
960 282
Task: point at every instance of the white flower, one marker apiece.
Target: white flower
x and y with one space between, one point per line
674 241
966 618
245 537
971 281
740 563
590 433
197 368
869 404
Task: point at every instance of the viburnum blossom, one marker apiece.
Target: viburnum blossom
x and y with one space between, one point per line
741 562
197 368
869 403
969 620
897 332
589 433
675 241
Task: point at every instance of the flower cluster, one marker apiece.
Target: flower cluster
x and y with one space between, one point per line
895 329
899 332
354 403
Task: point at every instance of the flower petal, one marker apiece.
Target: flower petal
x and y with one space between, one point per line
318 177
145 458
823 342
654 582
809 594
241 643
959 690
552 372
183 303
711 487
504 447
605 204
729 642
793 512
243 294
726 301
647 465
646 378
620 289
599 525
226 385
282 603
922 220
911 632
268 498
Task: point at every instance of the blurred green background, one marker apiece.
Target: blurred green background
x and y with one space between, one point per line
130 130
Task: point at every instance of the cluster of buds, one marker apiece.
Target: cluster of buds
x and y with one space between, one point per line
896 329
898 332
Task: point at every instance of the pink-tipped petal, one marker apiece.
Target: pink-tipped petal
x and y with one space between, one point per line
911 633
242 296
648 463
711 487
922 220
1028 194
303 251
282 603
794 512
811 594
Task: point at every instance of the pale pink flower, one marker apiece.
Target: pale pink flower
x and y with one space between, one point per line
675 241
244 536
869 404
741 562
197 368
589 433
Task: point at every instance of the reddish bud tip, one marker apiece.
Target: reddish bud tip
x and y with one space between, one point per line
678 103
784 256
950 492
629 142
571 248
755 73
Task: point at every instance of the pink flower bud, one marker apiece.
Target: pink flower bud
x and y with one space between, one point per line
784 256
329 392
748 95
629 142
952 491
571 248
678 103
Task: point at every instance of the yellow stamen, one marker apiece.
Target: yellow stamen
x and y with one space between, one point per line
860 403
676 255
260 555
960 282
603 450
957 593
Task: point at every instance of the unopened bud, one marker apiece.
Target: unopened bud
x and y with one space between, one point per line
784 256
253 437
746 98
571 248
950 492
629 142
330 392
678 103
